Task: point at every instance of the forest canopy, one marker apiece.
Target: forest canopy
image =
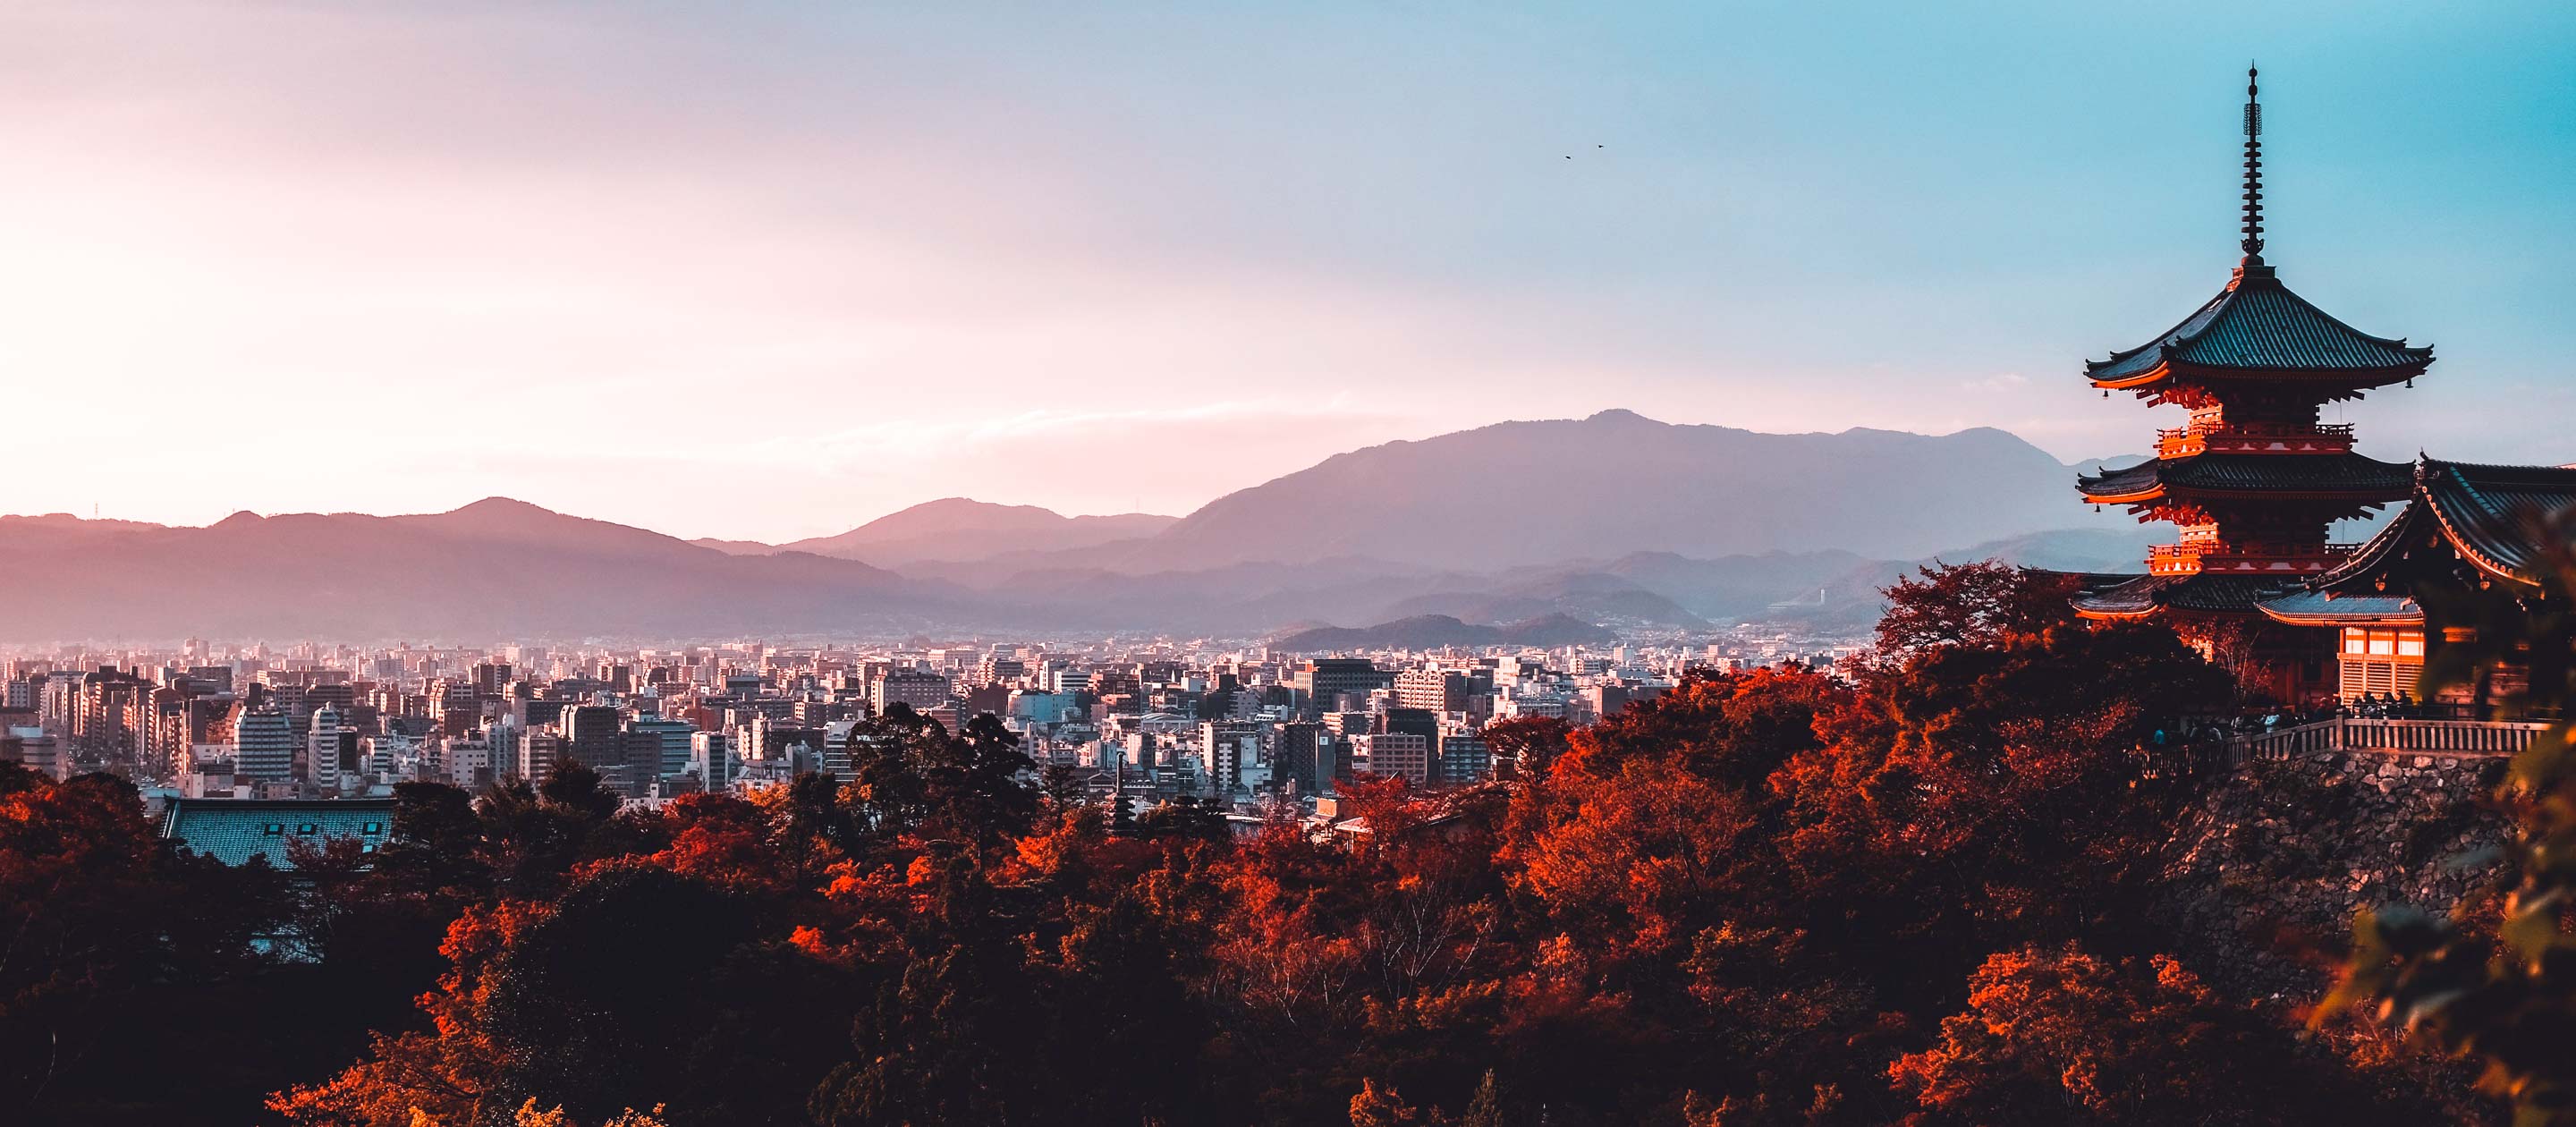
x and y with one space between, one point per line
1920 890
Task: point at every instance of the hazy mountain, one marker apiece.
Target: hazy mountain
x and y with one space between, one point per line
961 530
1615 520
1432 631
1731 589
1851 599
1616 483
2073 549
737 547
1594 596
496 568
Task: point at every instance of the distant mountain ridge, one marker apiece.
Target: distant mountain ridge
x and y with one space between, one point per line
959 529
1433 631
1614 520
1521 493
497 568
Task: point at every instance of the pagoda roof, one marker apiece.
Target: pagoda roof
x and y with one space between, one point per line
2256 327
2491 515
2143 595
2325 608
2340 475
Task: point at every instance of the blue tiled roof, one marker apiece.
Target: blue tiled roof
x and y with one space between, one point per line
2490 514
2147 593
2257 323
2492 511
2254 473
235 830
2318 607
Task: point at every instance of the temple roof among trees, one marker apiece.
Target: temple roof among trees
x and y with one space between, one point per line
2257 326
2490 515
235 830
2140 595
2344 474
2325 608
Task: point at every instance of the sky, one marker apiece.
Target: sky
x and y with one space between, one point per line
767 271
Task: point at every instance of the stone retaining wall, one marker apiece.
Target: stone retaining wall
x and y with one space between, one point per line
2269 870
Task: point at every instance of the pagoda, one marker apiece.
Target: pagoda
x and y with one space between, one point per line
2254 478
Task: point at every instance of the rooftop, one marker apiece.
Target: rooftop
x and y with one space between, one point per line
2257 327
2341 475
2140 596
2490 515
235 830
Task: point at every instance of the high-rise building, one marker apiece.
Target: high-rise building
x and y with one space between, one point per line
1432 690
1304 757
322 749
1325 680
539 750
264 743
657 747
1227 750
1405 754
923 691
712 759
590 734
1464 759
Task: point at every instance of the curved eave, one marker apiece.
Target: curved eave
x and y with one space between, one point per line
2467 549
2358 379
2085 612
2142 379
2138 498
2161 492
2373 552
2349 496
2327 620
2295 617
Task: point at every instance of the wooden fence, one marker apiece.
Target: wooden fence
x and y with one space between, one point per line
2415 737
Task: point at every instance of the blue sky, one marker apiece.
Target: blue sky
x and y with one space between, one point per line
769 271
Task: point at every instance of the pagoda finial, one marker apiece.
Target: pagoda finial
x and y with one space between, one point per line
2253 171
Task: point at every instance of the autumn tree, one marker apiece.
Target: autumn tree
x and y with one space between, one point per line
2495 982
2064 1037
1524 746
1970 605
101 923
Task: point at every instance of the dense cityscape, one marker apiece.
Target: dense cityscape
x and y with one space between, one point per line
1236 728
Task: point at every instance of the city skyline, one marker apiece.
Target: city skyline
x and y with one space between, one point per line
803 269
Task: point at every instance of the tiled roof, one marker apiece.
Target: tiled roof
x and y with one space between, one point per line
235 830
2253 473
2317 608
2146 594
2490 515
2491 511
2257 323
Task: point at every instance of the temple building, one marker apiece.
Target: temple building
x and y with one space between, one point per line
2465 526
2255 479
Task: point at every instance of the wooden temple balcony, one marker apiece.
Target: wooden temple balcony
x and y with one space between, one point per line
2461 739
2244 557
2220 437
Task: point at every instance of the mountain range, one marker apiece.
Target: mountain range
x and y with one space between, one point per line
1614 519
956 528
1433 631
494 569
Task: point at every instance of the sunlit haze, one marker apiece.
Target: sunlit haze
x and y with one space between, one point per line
768 271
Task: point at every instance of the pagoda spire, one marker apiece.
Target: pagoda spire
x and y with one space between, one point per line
2253 242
